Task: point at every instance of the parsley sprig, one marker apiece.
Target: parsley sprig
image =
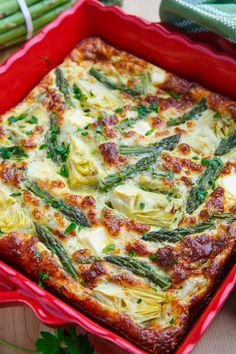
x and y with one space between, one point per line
63 341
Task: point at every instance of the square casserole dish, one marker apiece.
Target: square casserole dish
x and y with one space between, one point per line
153 42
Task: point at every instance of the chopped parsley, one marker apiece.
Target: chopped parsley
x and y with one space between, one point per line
70 228
78 93
43 276
132 254
109 248
43 146
139 301
33 120
12 151
14 119
216 115
149 132
64 171
15 194
152 257
142 206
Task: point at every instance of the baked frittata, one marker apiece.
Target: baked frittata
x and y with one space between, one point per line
118 190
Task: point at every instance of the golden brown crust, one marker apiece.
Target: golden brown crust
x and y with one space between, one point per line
202 255
23 249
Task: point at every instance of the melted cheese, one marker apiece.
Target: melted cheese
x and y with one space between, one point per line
229 184
95 240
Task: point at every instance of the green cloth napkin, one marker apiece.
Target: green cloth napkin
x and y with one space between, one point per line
201 16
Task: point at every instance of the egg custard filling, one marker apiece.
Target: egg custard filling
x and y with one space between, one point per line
118 191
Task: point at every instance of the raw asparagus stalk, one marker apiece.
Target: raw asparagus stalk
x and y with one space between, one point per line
176 234
35 10
11 151
9 7
141 165
134 91
168 143
140 268
63 85
54 245
72 213
38 23
193 114
199 192
226 145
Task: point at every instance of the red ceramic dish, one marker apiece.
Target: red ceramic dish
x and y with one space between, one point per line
153 42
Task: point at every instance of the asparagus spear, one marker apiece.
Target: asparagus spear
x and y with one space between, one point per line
193 114
227 217
74 214
35 10
54 245
176 234
7 152
10 6
199 192
57 152
63 85
38 23
226 145
141 165
134 91
168 143
140 268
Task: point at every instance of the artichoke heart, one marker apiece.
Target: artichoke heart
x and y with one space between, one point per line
151 208
82 167
143 305
223 126
12 215
203 140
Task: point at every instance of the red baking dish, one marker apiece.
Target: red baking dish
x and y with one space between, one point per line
153 42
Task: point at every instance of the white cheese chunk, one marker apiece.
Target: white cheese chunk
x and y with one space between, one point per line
141 127
158 76
229 184
78 118
95 239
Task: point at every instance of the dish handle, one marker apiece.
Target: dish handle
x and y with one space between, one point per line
18 292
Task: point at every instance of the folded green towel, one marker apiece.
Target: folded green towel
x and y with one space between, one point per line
201 16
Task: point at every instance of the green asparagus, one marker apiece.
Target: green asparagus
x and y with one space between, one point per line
199 191
195 113
54 245
72 213
57 152
227 217
176 234
35 10
38 23
226 145
141 165
9 7
63 85
134 91
168 143
140 268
